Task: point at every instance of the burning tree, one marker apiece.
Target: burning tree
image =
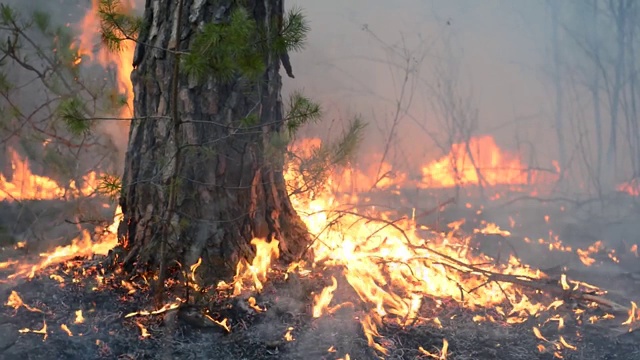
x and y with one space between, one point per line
204 167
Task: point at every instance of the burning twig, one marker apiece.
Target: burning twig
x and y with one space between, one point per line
42 331
15 301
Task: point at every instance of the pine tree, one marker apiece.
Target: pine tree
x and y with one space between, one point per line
210 136
208 142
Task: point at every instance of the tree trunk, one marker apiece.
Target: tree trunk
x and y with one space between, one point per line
229 185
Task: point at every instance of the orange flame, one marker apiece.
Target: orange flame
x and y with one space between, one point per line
632 187
443 352
482 157
15 301
81 246
42 331
288 336
256 272
380 255
322 301
28 186
121 61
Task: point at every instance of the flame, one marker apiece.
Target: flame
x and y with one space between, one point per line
256 272
392 266
443 351
81 246
192 275
631 188
634 314
28 186
164 308
492 229
566 344
585 255
462 165
253 304
223 324
538 334
121 61
322 301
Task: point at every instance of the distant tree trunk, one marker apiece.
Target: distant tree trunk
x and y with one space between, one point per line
595 90
559 106
230 185
619 12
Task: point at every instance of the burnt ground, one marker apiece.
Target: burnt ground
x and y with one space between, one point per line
176 334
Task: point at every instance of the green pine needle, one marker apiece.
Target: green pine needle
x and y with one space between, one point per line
301 111
71 112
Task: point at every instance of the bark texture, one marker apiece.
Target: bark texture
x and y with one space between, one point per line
230 185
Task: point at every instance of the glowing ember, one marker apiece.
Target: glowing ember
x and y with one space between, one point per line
42 331
443 351
630 188
223 324
564 283
165 308
252 303
15 301
65 328
288 336
79 318
143 330
57 278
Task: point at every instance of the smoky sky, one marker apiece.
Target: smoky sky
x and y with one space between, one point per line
495 51
493 57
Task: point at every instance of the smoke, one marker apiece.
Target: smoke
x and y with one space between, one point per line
494 58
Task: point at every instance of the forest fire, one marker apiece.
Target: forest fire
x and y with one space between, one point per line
479 162
25 185
382 269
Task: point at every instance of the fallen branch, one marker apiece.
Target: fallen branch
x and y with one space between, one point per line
544 284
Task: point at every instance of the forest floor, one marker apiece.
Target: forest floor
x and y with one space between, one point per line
55 296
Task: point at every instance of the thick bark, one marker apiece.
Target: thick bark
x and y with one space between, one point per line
230 187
